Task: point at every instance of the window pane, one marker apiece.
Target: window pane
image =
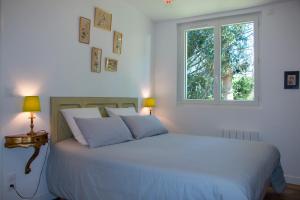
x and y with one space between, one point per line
237 62
199 64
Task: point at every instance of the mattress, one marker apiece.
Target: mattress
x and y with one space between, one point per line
169 167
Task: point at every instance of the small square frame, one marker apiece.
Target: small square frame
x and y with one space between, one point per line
291 80
111 65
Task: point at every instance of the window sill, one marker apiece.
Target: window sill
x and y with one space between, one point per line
254 103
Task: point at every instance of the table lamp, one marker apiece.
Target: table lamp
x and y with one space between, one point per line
150 103
31 104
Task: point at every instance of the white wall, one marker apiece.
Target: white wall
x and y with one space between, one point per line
42 56
277 116
1 95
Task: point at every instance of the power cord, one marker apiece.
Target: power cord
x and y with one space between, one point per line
39 180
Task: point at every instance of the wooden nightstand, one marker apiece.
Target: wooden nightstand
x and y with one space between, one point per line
25 141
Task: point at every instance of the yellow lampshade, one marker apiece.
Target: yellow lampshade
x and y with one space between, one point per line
31 104
149 102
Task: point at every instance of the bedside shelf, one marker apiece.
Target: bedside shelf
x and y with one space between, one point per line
26 141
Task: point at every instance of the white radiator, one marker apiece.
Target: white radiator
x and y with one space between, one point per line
241 134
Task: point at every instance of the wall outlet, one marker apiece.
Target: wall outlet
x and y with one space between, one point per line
11 180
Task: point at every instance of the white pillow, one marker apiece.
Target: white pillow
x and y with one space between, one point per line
101 132
144 126
69 115
113 112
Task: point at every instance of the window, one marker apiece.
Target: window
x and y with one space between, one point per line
218 60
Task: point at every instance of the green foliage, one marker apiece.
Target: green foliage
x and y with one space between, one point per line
234 45
200 60
235 57
242 88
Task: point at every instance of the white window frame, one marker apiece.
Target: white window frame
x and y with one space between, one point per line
217 24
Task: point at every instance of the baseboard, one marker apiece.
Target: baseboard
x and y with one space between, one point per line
292 179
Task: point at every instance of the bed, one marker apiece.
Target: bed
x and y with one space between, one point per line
169 166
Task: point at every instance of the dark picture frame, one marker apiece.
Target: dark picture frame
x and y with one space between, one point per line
291 80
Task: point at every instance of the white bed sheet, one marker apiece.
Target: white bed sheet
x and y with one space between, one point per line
169 167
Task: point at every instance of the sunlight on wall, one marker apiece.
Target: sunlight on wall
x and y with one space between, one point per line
145 94
19 121
27 88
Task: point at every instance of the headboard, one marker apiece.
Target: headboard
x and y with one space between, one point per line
59 127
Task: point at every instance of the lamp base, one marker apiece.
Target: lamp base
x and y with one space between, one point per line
31 133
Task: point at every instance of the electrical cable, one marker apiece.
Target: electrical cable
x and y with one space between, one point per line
39 180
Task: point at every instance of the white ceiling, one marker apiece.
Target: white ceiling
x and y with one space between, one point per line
157 10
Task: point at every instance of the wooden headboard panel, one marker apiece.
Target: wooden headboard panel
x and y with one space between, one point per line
59 127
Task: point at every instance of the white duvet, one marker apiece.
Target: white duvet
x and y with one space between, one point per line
165 167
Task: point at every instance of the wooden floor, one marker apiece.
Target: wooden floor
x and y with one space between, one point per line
292 192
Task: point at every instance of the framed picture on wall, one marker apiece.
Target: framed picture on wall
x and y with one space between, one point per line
102 19
84 30
291 80
111 65
117 44
96 60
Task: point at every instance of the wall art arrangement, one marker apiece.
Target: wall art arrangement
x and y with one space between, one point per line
117 44
84 30
103 20
111 65
96 60
291 80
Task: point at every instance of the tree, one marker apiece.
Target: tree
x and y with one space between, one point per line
236 60
242 88
200 64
